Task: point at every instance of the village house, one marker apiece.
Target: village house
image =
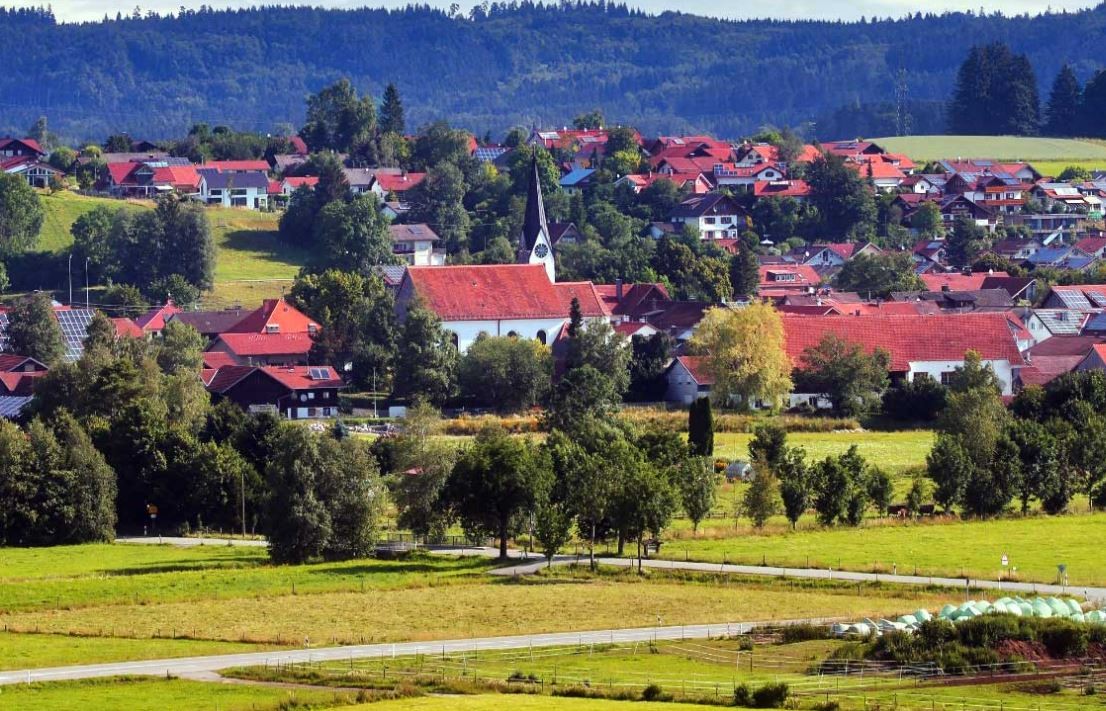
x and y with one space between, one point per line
715 216
17 383
779 280
234 188
296 393
24 157
415 244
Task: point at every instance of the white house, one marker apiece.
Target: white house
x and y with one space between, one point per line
415 243
716 216
234 189
920 346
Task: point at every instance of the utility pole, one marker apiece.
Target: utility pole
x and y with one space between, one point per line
376 415
87 303
70 272
242 487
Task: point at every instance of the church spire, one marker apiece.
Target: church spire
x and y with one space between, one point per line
534 223
534 244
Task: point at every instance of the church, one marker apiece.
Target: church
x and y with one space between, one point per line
523 300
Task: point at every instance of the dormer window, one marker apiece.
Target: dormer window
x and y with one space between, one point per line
272 328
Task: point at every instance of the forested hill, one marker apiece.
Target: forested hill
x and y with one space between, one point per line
522 64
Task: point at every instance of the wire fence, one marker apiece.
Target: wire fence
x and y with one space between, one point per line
851 683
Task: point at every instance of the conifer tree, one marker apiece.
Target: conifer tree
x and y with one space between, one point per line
1063 104
391 112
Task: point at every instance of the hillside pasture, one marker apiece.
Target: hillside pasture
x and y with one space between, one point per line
928 148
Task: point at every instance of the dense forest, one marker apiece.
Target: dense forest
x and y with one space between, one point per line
512 64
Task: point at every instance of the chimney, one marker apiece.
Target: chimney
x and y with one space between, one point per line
618 289
945 287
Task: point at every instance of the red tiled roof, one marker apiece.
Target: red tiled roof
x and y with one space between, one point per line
399 183
957 281
1045 369
21 384
807 275
781 188
258 166
267 344
275 312
154 320
909 338
227 376
879 169
29 142
217 359
119 172
297 181
9 362
697 366
637 299
178 176
299 377
584 292
125 327
488 292
1091 245
299 146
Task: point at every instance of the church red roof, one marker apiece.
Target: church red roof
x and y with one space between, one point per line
491 292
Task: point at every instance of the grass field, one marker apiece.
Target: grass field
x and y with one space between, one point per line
926 148
27 651
694 669
893 451
139 694
1035 546
563 601
251 263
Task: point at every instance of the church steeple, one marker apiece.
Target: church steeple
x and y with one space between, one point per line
534 246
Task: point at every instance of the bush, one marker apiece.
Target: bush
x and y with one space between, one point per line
770 696
742 696
804 633
1063 638
654 693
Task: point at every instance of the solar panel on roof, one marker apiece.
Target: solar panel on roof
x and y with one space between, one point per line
74 329
12 405
320 374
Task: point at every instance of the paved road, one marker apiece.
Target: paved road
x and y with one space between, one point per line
202 667
528 568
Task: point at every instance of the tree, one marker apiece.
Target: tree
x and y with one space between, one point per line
438 201
298 523
966 242
744 354
339 120
506 373
917 496
852 379
995 94
590 120
844 200
927 219
649 503
974 374
700 428
744 274
353 235
762 497
920 399
21 215
33 330
180 348
840 495
357 323
426 359
419 467
494 481
879 275
696 482
769 444
91 234
391 112
1064 104
880 489
950 468
552 526
796 484
648 365
93 483
347 483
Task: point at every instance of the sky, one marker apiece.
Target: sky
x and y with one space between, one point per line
77 10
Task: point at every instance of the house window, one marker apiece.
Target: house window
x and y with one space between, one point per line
921 377
310 396
542 338
454 339
946 378
272 328
708 220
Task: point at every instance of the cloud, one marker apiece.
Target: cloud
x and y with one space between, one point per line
83 10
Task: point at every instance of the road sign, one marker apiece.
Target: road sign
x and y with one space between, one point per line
1005 560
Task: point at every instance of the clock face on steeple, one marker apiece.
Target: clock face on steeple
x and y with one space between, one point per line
541 251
